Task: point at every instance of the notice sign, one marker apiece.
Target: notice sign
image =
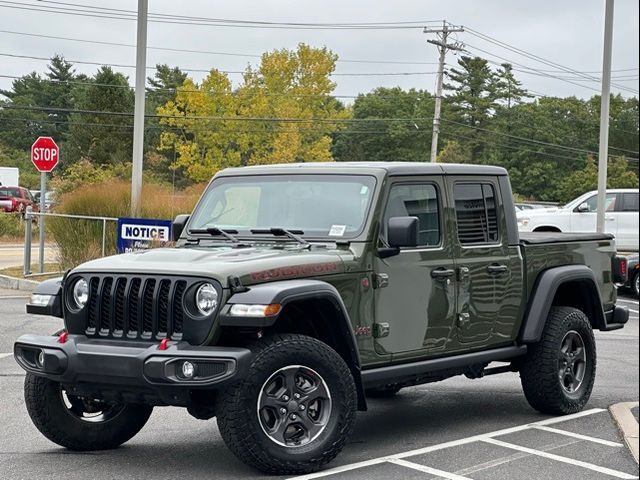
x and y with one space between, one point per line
136 234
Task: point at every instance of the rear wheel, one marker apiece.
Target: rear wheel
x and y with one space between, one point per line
635 284
78 423
558 372
294 411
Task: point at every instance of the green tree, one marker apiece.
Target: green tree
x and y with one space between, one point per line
581 181
471 103
102 138
372 138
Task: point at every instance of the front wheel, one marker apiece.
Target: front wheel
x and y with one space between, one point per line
78 423
558 372
294 411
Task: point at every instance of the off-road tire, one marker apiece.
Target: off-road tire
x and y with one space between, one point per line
539 370
383 392
51 416
238 413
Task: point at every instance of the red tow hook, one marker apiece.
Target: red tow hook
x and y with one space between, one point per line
164 344
62 338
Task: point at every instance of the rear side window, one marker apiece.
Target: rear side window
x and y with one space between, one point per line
629 202
476 213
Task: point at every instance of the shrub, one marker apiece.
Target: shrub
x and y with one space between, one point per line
81 240
11 226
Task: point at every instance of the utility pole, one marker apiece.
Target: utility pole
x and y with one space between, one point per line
603 153
443 48
138 114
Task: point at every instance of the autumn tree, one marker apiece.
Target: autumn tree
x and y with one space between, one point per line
282 112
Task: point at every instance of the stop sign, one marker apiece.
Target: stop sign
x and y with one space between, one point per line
45 154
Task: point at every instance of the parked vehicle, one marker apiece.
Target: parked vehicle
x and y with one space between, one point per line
49 199
529 206
633 269
579 215
9 176
296 291
16 200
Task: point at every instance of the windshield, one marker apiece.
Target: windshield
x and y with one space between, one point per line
319 205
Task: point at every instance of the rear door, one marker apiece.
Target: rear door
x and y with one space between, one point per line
626 213
415 312
489 285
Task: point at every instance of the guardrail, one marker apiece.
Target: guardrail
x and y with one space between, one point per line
28 216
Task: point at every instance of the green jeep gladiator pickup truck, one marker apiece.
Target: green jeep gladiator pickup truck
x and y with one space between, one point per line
294 292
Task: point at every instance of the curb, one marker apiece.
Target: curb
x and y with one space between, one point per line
13 283
621 413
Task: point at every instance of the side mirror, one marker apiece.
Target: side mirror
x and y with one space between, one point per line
401 232
178 226
583 207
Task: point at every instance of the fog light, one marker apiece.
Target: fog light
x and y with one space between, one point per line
188 369
40 360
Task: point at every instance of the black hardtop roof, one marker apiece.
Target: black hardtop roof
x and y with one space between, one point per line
359 168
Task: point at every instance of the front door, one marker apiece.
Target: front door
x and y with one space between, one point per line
489 277
585 221
415 289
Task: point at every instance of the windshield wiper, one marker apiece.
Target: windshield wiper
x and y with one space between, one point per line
283 232
218 232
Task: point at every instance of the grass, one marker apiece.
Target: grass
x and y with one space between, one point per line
17 272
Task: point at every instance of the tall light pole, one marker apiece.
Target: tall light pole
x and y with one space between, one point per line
443 47
603 153
138 114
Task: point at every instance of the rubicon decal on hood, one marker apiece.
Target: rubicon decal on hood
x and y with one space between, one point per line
295 271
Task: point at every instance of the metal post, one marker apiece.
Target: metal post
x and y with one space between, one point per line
138 114
28 218
43 189
603 153
436 114
443 47
104 235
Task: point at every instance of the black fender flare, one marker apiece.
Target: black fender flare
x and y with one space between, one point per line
544 291
289 291
52 288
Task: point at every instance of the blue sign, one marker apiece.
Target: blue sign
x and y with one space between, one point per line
136 234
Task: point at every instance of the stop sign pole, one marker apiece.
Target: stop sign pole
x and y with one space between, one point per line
45 155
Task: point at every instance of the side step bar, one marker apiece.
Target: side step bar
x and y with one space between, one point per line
384 375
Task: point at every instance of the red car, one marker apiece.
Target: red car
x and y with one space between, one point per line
16 200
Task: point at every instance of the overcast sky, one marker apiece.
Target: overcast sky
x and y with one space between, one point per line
568 32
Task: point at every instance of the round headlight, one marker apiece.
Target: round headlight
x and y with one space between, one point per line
206 299
80 293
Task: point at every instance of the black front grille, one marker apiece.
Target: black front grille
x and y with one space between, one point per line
136 307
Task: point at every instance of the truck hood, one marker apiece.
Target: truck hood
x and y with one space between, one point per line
252 265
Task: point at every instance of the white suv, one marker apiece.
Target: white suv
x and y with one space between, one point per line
579 215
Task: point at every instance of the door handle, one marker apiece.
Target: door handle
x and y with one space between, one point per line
441 273
496 269
609 219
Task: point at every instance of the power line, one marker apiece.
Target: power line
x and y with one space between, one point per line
130 15
208 52
531 56
294 120
149 67
524 139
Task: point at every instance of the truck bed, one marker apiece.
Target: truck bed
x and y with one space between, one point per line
544 250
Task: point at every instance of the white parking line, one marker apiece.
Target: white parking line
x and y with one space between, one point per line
441 446
425 469
3 355
558 458
13 297
577 435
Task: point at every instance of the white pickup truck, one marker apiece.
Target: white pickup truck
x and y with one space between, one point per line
579 215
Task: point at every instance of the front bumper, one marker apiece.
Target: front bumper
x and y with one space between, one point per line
100 366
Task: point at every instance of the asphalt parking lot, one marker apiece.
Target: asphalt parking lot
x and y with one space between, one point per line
456 429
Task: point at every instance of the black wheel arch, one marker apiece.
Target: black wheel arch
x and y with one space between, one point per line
570 286
309 307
